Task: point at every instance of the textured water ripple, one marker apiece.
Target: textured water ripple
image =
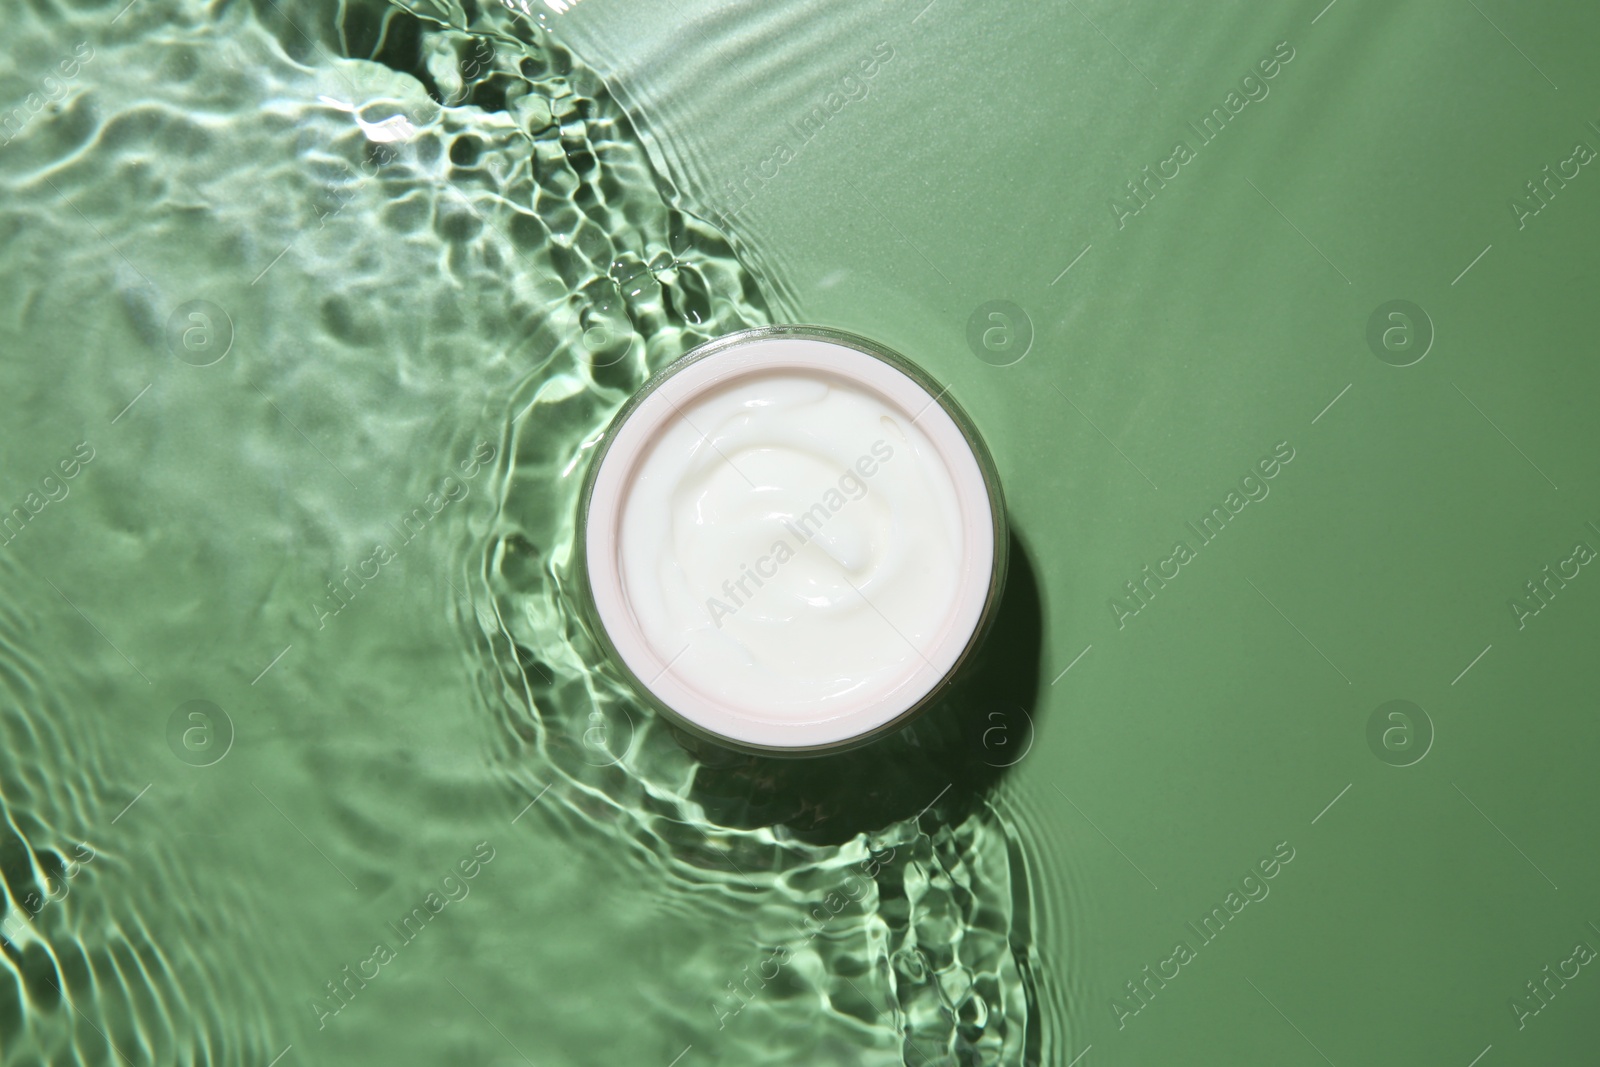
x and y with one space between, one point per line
919 951
476 221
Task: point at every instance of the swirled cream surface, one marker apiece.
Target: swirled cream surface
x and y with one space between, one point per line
791 550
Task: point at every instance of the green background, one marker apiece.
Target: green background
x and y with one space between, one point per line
1170 753
1206 329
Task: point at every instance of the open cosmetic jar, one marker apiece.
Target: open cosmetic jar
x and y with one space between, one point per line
792 540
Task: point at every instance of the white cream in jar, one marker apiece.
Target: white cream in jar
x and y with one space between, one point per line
790 541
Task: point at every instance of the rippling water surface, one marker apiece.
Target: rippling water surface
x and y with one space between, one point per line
337 305
311 314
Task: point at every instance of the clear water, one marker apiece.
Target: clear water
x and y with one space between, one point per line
311 314
330 653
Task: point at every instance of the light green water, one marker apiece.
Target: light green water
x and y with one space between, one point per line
312 313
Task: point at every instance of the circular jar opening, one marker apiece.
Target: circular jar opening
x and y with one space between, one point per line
792 539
